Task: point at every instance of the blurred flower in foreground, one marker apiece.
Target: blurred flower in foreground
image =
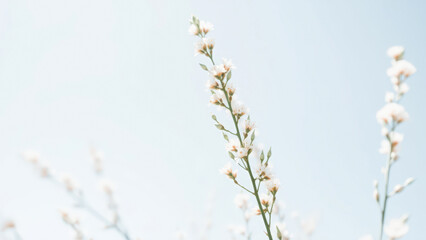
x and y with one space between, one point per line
75 191
397 227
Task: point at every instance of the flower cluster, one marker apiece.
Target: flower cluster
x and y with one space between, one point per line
390 116
75 191
240 141
70 218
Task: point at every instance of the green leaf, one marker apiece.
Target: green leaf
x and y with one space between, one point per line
262 156
279 234
204 67
226 137
231 155
253 137
229 76
269 153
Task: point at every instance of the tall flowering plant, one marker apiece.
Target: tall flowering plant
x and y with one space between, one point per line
390 117
239 137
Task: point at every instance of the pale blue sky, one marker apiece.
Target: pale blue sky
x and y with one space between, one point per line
121 75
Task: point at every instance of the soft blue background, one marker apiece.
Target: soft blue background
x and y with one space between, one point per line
121 75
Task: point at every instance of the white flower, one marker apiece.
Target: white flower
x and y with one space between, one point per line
238 109
31 156
209 42
45 169
212 84
69 216
230 89
241 200
233 145
206 27
401 67
264 172
385 147
396 138
395 52
395 80
227 63
242 152
392 111
107 186
266 199
194 30
218 71
396 228
273 185
227 170
402 89
68 181
366 237
202 45
389 97
248 125
9 224
217 98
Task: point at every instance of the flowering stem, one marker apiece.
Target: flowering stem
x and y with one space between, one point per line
238 134
253 180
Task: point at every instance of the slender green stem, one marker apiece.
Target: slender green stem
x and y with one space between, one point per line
244 187
226 130
258 185
270 210
383 212
387 177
